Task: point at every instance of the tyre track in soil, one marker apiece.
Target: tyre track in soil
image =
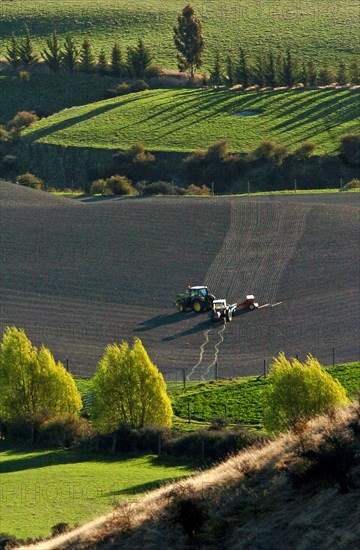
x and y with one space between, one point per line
251 259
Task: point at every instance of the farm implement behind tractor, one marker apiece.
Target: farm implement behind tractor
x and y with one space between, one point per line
221 311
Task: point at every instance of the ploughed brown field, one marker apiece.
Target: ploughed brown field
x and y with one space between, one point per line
79 274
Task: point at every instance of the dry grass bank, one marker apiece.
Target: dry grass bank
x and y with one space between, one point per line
301 490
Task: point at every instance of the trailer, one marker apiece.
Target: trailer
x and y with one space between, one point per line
248 303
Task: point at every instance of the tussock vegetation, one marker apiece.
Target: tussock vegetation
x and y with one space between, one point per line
295 490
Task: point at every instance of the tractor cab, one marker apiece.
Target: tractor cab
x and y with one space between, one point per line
198 292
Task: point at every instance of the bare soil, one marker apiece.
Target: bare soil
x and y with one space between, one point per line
79 274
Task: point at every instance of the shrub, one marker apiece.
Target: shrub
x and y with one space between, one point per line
198 190
23 119
119 89
8 541
140 86
162 188
98 187
136 163
190 510
126 88
60 528
353 184
153 71
64 430
120 185
271 152
350 148
9 161
24 76
329 460
299 391
29 180
305 150
212 444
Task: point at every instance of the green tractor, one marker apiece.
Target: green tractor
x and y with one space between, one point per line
196 298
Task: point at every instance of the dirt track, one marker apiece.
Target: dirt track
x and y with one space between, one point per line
77 275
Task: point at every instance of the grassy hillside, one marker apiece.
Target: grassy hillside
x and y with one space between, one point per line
326 29
289 493
183 120
68 486
237 399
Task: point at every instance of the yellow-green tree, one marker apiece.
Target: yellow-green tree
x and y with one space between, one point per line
31 381
129 390
299 391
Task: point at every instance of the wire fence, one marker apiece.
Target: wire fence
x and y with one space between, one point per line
181 378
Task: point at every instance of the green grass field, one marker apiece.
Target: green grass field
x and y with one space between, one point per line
325 29
238 399
184 120
41 489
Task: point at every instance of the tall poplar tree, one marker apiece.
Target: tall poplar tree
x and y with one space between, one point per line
129 390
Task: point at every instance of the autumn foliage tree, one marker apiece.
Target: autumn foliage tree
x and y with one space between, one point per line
31 381
299 391
129 390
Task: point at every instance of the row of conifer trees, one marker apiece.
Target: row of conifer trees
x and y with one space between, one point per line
266 69
69 57
269 69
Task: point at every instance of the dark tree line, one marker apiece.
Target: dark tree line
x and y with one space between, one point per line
272 70
70 58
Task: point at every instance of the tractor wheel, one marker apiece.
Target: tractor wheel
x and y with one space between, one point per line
181 307
251 307
197 306
229 316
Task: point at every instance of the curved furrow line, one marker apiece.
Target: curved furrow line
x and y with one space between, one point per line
267 246
244 219
247 259
218 274
291 228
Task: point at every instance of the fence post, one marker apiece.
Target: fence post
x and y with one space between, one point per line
184 379
333 357
67 364
216 370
